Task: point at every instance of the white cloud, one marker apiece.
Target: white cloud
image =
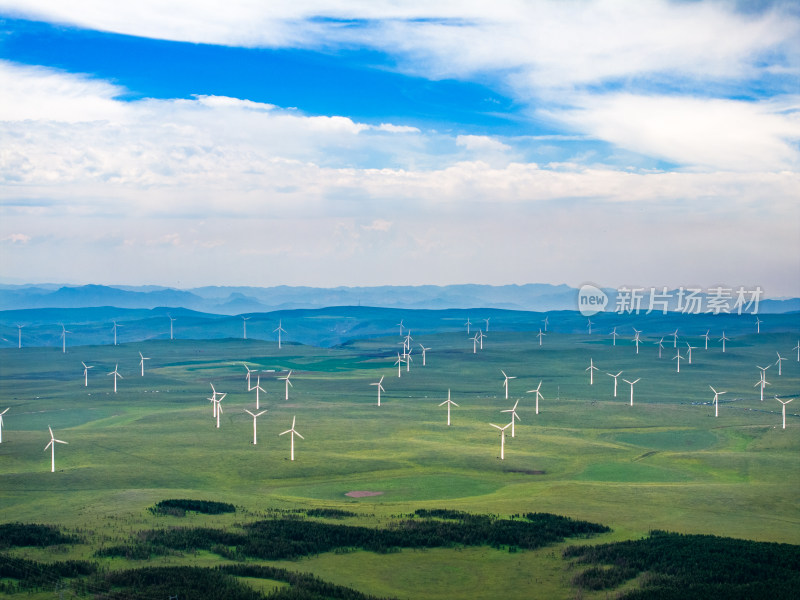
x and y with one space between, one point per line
17 238
481 143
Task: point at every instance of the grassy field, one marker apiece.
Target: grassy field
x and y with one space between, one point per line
664 463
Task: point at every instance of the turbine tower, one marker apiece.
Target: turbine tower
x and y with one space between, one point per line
487 323
758 325
380 389
64 333
255 416
19 341
660 346
141 362
399 363
114 328
538 395
723 339
288 383
474 344
258 389
244 327
279 329
779 400
690 348
545 321
636 339
400 325
247 377
706 336
468 324
675 339
448 402
86 373
615 381
116 374
171 321
52 445
615 336
480 338
591 368
716 400
539 335
514 415
502 439
589 325
1 424
797 347
294 433
678 357
424 350
778 362
631 383
505 381
218 402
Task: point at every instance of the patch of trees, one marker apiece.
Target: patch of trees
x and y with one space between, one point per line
276 539
330 513
31 575
179 507
32 534
675 566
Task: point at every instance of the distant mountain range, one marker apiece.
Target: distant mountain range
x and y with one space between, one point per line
221 300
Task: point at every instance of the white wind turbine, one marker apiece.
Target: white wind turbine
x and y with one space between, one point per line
615 336
631 383
502 439
706 336
538 395
247 377
64 333
763 382
380 389
505 381
408 360
514 415
797 347
279 329
474 344
1 424
407 341
400 325
487 323
52 445
258 389
660 346
399 363
675 339
716 400
288 383
116 374
448 402
141 362
218 403
244 327
678 357
758 325
294 433
591 368
19 341
468 324
690 348
86 373
545 321
779 361
779 400
255 416
540 335
615 381
424 350
636 339
589 324
115 331
213 400
723 339
481 335
171 321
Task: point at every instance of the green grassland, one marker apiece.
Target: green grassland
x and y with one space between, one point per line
664 463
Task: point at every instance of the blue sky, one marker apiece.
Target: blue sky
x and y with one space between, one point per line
368 143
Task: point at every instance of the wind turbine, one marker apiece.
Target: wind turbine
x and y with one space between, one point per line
474 344
591 368
255 416
763 383
723 339
589 324
716 400
636 339
258 389
505 381
171 321
400 325
213 400
52 446
615 381
779 361
540 335
690 351
20 335
380 389
538 395
779 400
399 363
675 339
448 402
616 335
218 402
706 336
141 362
514 415
545 321
678 357
288 383
407 341
487 323
502 438
244 328
116 374
660 346
247 377
797 347
481 335
279 328
294 433
64 333
115 331
9 408
424 349
631 383
758 325
408 360
86 373
468 324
